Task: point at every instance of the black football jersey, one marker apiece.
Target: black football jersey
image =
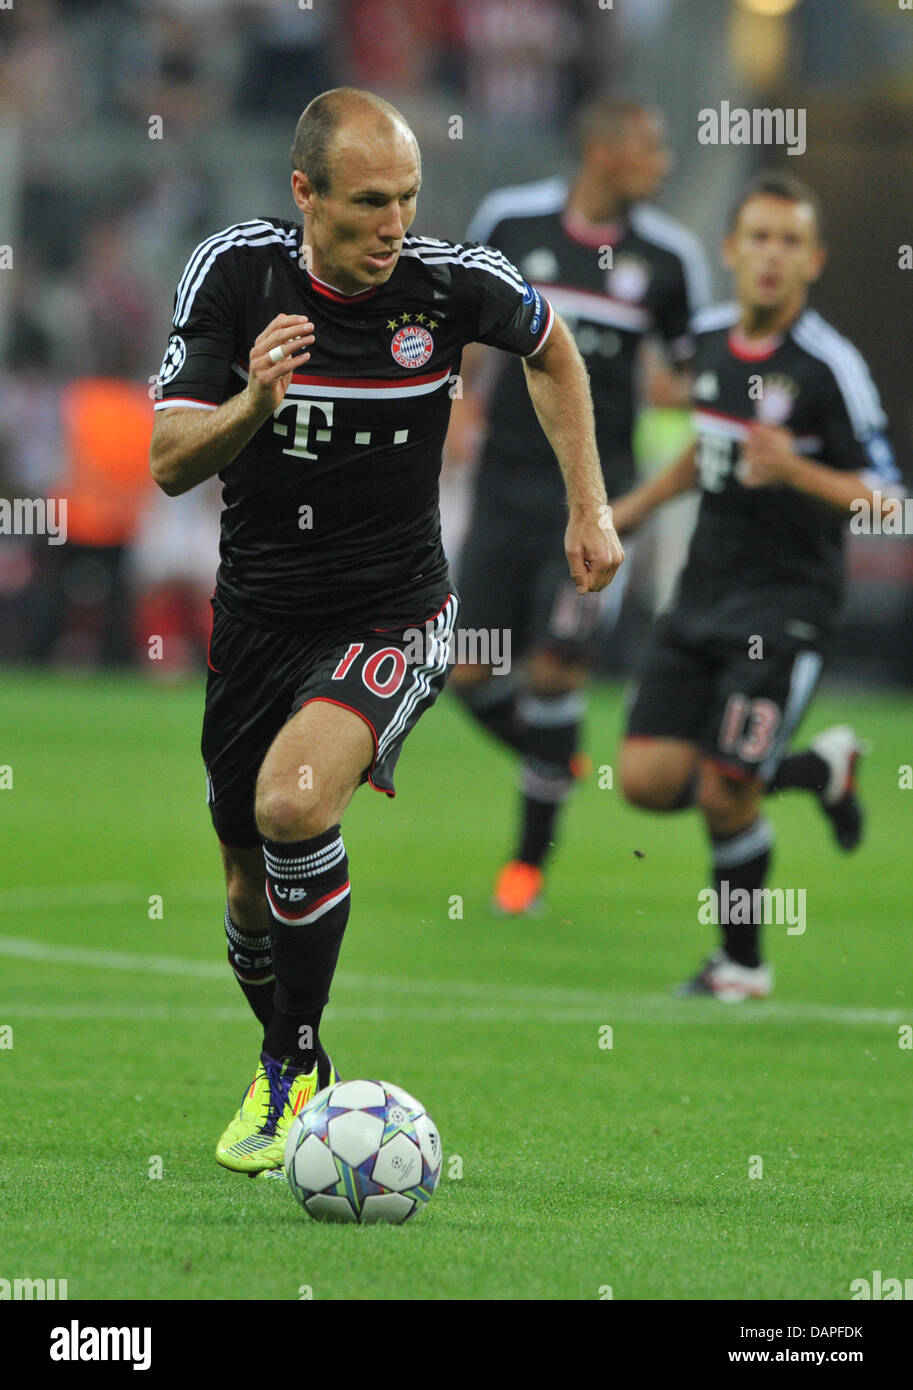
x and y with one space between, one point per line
331 510
770 558
612 285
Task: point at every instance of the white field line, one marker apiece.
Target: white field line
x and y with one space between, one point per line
493 1003
83 895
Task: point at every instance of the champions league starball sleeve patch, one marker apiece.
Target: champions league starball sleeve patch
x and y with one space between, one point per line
174 359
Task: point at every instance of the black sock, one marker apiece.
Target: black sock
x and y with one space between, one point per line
307 888
807 770
251 958
546 781
494 704
741 861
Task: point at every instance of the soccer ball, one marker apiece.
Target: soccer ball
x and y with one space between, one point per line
363 1151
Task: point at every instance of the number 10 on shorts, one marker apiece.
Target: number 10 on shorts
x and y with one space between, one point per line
379 679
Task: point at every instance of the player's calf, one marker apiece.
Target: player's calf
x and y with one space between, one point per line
740 844
492 701
247 930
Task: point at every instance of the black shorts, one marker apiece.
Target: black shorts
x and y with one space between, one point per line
514 577
259 678
740 710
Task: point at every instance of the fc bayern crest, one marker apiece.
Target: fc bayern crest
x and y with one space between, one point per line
173 361
628 279
412 346
776 400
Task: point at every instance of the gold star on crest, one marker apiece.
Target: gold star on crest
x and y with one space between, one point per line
420 318
407 318
432 323
391 324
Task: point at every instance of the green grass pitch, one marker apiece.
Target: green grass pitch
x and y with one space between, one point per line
583 1166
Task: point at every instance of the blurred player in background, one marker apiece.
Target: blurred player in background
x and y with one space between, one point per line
309 367
789 433
618 270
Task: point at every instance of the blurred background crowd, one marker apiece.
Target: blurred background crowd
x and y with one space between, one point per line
130 129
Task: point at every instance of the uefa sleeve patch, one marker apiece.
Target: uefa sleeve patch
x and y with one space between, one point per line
532 296
174 359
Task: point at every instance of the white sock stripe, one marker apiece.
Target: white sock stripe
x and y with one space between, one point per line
257 944
495 691
545 713
292 919
754 841
308 865
540 788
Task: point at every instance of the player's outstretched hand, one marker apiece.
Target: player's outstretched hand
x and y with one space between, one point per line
594 552
268 382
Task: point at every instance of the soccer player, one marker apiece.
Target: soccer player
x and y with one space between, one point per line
618 270
789 433
309 366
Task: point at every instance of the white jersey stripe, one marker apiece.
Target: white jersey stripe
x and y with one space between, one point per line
436 664
802 682
396 391
656 226
599 308
474 257
256 233
859 392
520 200
200 251
547 334
715 316
708 423
184 404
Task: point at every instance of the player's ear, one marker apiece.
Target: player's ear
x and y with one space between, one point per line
727 251
302 191
818 262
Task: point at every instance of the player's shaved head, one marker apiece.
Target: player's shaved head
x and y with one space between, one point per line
323 119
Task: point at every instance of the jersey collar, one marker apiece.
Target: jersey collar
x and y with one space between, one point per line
337 296
592 233
753 349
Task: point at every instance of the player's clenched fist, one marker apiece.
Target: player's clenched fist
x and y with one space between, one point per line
767 457
594 552
277 352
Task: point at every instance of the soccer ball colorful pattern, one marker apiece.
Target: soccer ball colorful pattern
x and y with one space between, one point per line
363 1151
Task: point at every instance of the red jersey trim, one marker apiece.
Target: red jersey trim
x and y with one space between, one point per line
328 292
743 348
588 234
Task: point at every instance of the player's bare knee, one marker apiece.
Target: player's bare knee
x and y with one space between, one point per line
285 814
639 782
727 803
550 674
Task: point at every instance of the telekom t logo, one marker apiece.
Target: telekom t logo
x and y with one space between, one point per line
303 411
